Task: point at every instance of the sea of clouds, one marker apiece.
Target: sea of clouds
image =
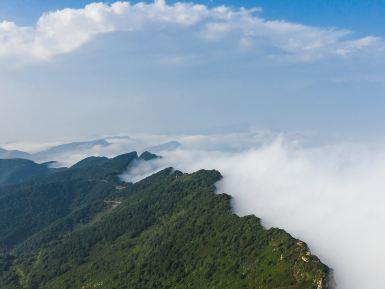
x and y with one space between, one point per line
332 196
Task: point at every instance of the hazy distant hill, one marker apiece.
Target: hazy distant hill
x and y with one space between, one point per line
13 154
57 152
82 148
84 228
171 145
70 147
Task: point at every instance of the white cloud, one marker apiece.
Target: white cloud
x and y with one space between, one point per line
331 196
66 30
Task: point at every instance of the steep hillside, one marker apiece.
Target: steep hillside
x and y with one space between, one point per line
13 171
30 206
168 231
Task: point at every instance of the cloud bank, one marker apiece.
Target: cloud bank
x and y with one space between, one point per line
331 196
64 31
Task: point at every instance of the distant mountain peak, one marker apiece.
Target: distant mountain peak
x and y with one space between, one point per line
146 156
167 146
73 146
13 154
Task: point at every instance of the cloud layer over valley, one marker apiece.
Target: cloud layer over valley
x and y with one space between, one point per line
330 196
187 67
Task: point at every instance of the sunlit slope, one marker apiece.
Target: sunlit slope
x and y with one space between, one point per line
168 231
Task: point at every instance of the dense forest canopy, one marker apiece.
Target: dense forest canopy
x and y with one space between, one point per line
82 227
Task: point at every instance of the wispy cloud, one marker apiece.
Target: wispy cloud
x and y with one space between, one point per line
64 31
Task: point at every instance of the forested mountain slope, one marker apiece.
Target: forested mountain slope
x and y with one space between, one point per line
83 228
13 171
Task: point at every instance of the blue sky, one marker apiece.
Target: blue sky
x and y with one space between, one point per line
361 16
303 66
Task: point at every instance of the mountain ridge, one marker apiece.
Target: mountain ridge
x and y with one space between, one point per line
169 230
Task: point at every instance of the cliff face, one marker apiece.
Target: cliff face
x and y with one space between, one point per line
85 229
